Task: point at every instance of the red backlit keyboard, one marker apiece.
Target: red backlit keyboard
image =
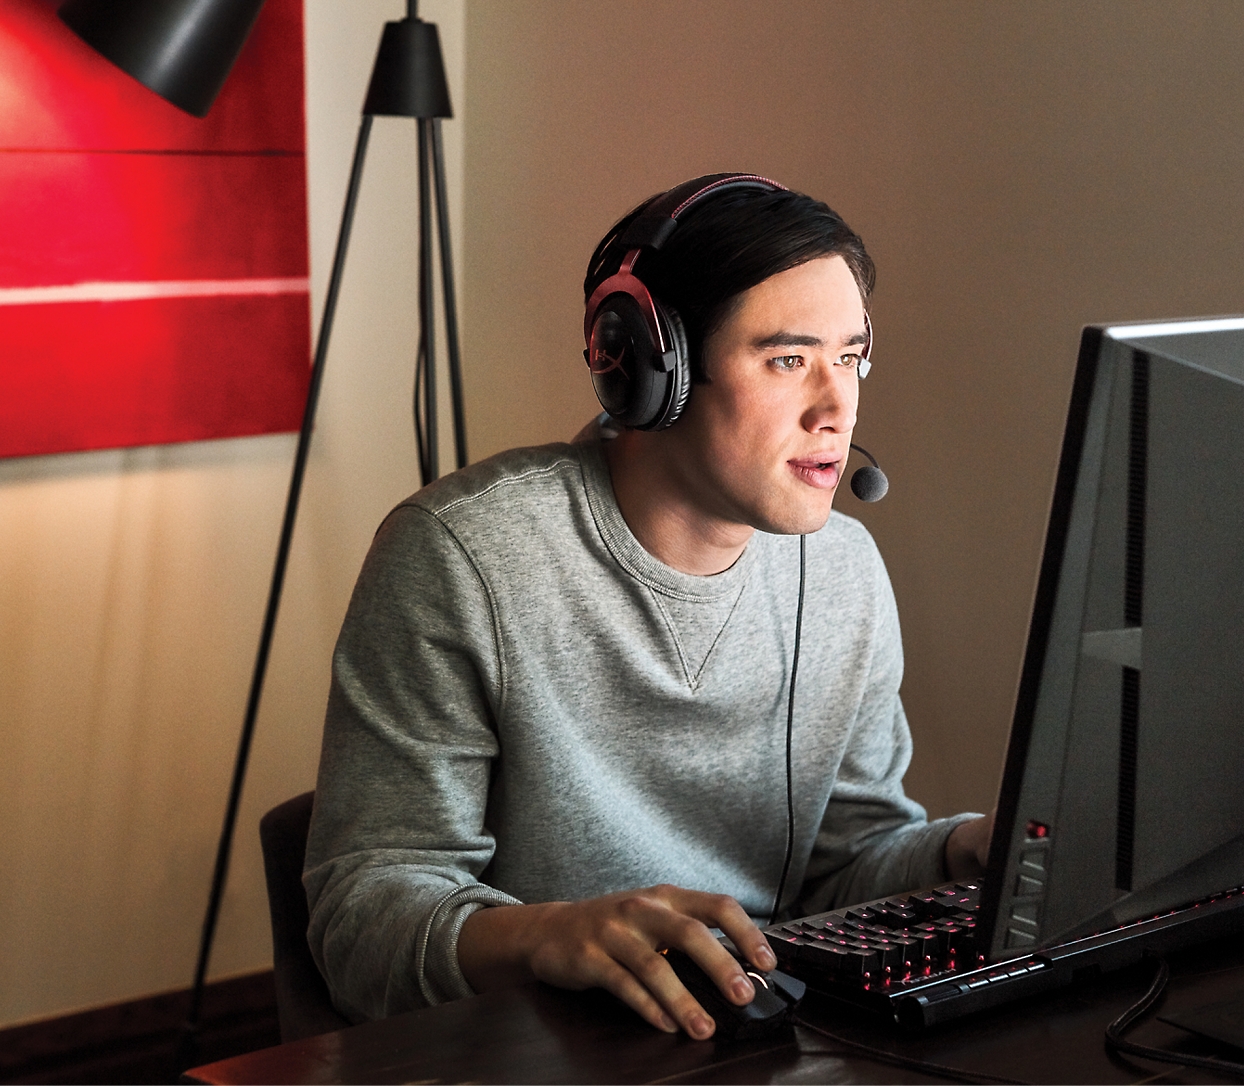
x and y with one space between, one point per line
885 942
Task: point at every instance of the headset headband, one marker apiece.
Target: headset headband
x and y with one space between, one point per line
650 229
653 226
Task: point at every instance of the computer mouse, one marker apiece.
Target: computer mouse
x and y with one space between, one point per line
777 995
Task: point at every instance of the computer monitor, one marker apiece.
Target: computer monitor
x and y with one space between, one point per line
1123 790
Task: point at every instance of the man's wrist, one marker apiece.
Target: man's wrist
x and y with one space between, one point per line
496 944
966 845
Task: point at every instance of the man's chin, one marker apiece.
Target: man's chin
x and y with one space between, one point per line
796 521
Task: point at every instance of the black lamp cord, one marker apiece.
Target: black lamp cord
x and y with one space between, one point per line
882 1055
790 727
1125 1021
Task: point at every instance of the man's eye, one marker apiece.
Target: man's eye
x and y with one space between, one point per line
787 361
851 361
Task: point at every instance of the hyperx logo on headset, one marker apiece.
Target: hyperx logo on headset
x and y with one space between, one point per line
613 362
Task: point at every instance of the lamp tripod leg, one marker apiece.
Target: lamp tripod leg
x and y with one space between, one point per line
187 1042
447 293
427 305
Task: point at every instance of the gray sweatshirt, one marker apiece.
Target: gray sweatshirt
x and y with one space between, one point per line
527 706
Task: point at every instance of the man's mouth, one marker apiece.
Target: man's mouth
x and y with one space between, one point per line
818 473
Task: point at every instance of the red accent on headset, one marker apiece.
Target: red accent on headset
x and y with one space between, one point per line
624 281
733 179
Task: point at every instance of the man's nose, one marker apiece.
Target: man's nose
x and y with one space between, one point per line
833 400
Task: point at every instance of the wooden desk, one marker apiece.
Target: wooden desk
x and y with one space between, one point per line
540 1034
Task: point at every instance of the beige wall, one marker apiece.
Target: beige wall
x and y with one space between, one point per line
132 586
1016 169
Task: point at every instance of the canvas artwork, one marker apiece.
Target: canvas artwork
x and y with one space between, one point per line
153 266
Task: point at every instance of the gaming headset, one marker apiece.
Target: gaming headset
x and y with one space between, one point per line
636 346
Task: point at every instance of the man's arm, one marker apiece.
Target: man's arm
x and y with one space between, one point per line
874 840
398 839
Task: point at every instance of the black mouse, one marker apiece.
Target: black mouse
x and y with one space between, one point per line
777 995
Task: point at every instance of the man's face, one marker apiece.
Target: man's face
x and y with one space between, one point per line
764 443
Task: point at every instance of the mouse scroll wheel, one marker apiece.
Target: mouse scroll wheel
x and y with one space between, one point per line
757 976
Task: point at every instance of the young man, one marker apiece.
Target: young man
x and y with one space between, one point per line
557 738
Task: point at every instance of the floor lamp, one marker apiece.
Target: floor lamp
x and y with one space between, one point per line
408 80
183 50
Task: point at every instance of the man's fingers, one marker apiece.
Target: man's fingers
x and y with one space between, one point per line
657 975
751 943
721 911
658 978
623 984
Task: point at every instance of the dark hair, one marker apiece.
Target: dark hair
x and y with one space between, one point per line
727 245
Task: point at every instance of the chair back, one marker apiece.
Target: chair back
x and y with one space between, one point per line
304 1006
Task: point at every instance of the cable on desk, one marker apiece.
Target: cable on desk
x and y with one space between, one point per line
1125 1021
881 1055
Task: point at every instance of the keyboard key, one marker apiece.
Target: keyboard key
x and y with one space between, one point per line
959 943
913 952
929 905
785 948
858 962
861 915
890 956
892 916
819 953
925 942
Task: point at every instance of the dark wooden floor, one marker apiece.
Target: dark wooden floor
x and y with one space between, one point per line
137 1041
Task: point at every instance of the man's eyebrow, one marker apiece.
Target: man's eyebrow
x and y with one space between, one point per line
801 339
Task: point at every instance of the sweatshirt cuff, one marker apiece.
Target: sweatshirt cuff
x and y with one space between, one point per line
929 868
436 954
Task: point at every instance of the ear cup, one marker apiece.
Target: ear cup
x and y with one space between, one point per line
628 372
637 383
680 375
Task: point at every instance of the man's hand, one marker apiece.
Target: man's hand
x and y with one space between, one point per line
613 942
967 847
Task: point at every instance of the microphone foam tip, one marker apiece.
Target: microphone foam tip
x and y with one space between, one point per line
869 484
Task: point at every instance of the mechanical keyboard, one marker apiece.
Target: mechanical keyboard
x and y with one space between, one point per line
917 958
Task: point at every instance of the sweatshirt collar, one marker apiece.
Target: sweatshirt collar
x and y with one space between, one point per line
630 554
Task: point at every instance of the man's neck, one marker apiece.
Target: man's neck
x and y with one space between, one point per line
657 507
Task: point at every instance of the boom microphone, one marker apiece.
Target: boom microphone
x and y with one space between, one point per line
869 483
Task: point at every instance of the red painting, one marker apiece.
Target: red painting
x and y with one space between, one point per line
153 266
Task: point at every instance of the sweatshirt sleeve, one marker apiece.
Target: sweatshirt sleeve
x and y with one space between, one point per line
398 839
874 840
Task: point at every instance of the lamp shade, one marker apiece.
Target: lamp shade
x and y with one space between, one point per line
181 49
409 77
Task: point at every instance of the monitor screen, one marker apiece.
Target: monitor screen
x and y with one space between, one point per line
1123 791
